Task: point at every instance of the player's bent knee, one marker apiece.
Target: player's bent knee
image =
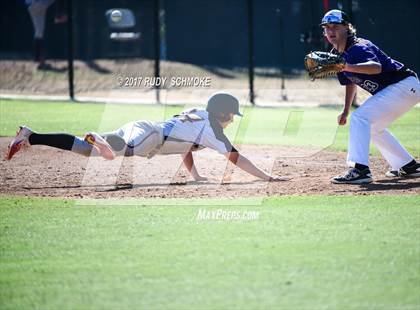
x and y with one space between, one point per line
375 129
116 142
377 132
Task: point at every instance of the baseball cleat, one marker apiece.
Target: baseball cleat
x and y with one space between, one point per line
20 140
411 171
392 174
354 176
105 150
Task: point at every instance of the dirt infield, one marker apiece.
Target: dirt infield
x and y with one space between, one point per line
43 171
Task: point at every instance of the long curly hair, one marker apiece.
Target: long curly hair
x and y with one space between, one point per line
352 30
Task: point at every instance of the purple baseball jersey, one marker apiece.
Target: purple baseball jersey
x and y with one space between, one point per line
362 51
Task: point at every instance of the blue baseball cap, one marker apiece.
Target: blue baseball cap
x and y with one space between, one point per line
335 17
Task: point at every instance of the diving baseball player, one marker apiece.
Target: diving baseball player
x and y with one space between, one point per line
192 130
395 90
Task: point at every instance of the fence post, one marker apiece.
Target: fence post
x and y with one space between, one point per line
156 27
354 104
70 48
251 51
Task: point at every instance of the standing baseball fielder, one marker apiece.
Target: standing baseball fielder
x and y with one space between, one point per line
192 130
395 90
38 11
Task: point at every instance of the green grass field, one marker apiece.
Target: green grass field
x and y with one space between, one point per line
314 127
301 253
308 252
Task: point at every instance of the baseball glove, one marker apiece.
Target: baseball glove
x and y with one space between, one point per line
322 64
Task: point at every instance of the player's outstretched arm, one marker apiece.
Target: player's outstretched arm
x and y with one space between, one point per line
189 164
246 165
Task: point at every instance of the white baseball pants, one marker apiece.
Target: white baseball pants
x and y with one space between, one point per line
38 12
373 117
142 136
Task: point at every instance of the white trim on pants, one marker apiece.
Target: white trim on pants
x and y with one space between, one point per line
373 117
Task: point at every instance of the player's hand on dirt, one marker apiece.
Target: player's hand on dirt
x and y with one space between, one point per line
200 179
342 118
278 179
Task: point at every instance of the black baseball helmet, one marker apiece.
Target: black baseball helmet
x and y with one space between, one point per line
223 103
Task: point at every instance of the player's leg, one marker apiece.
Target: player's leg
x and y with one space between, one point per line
38 11
140 138
100 143
385 106
401 161
119 139
391 149
116 142
134 138
145 139
372 110
26 137
358 145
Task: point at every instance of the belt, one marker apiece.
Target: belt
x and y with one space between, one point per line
405 72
